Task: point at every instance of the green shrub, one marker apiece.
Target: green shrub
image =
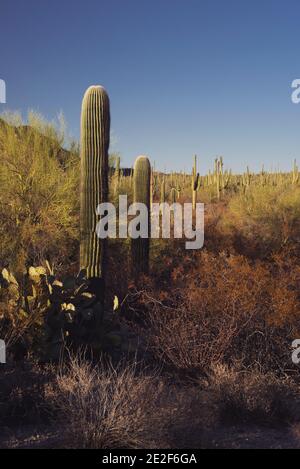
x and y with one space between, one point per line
39 200
266 216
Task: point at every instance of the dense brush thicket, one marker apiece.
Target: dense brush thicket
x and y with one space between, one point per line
39 195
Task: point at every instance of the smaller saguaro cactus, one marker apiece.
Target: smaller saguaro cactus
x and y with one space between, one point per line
173 195
195 188
178 191
140 247
221 171
295 176
248 176
195 164
195 183
218 177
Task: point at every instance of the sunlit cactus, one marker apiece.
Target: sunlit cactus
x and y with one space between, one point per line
218 180
221 172
140 247
295 176
195 183
173 195
248 176
95 132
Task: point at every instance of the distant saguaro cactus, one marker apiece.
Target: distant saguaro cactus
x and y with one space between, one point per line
173 195
295 176
95 132
140 247
195 183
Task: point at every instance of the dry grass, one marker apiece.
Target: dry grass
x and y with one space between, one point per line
245 396
103 407
263 221
112 407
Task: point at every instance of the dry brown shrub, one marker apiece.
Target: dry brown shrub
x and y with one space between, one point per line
224 308
185 338
245 396
107 407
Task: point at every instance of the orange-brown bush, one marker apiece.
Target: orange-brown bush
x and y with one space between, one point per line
222 308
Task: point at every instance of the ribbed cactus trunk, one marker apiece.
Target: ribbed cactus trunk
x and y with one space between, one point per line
140 247
95 132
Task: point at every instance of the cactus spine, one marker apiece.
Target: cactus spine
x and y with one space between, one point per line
95 132
140 247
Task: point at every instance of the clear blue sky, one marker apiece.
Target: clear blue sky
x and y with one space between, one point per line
211 77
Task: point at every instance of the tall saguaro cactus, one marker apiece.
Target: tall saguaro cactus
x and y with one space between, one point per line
95 132
140 247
